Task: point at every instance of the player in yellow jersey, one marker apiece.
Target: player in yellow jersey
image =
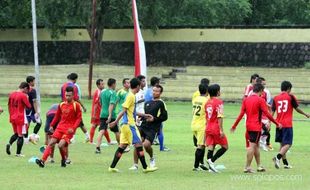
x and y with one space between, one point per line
198 127
205 82
129 132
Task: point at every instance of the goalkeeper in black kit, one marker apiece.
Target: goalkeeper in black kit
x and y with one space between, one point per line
150 127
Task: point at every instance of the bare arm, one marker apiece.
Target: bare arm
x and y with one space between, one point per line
111 107
302 112
242 112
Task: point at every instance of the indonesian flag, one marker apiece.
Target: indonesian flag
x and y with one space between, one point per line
140 58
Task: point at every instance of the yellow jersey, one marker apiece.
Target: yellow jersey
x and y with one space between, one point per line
196 94
199 114
130 115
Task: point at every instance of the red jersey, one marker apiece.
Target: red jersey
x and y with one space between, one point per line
63 91
214 109
283 104
18 102
248 89
96 101
68 115
254 106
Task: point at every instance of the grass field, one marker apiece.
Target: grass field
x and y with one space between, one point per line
89 171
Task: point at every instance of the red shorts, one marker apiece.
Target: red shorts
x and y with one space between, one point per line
216 140
20 128
62 136
95 121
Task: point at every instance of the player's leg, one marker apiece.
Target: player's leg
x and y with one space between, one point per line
102 128
52 151
250 155
286 143
83 128
107 136
200 150
210 142
161 139
63 147
135 154
194 141
99 141
125 140
224 147
136 140
38 125
92 132
13 138
47 152
147 144
22 129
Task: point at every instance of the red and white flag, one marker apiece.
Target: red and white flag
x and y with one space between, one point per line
140 57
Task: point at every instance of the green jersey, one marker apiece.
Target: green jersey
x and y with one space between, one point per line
120 98
107 97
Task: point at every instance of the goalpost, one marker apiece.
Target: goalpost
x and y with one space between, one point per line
35 51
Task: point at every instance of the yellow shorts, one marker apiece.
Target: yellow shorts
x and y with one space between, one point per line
129 135
200 136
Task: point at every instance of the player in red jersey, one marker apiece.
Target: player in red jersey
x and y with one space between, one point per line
214 129
18 102
95 112
283 105
72 79
254 106
249 87
68 117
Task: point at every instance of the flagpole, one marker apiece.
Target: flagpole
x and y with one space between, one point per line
35 50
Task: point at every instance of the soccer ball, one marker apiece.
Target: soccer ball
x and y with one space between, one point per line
34 138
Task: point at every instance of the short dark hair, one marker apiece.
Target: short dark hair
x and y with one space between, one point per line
205 81
30 79
262 78
111 81
98 82
69 89
161 88
134 83
154 81
258 87
254 76
72 76
213 90
24 85
140 77
286 85
124 80
259 80
202 89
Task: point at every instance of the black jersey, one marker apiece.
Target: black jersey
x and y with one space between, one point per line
32 95
157 109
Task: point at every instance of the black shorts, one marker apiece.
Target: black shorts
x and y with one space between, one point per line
284 136
104 125
149 134
48 122
254 136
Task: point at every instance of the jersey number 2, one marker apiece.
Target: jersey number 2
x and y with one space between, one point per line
283 105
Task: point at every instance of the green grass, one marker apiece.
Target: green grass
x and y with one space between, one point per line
89 171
